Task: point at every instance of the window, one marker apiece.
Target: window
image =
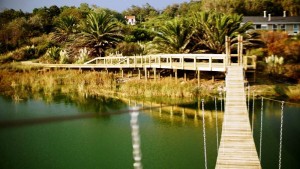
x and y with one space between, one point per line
274 27
258 26
282 27
265 27
296 28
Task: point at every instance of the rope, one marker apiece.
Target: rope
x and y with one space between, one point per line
261 127
248 98
224 120
281 124
280 101
253 114
136 145
217 133
204 135
221 101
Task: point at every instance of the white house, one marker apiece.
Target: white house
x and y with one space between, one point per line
290 24
130 20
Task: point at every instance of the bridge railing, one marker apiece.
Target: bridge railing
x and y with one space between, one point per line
209 62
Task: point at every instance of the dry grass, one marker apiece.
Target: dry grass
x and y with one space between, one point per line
18 81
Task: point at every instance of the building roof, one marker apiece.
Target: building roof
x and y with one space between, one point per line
130 17
274 19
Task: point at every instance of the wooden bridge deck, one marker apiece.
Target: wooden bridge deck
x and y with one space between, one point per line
237 148
200 62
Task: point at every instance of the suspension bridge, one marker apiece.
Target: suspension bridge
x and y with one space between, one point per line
237 148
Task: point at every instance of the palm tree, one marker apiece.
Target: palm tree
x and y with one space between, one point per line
211 29
100 31
65 27
173 37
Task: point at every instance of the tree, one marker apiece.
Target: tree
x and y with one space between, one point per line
292 6
211 28
173 37
171 10
99 32
65 27
222 6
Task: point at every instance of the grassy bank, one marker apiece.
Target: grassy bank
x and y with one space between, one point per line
18 80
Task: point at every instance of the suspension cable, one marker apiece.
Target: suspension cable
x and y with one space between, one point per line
204 135
221 95
261 127
253 114
217 133
281 124
136 145
297 104
248 98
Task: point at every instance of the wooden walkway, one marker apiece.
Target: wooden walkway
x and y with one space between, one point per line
237 148
197 62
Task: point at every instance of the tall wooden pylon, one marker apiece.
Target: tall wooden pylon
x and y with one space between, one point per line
228 51
240 50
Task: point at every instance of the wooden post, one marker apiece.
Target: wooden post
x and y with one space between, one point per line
176 76
213 78
122 72
158 75
210 63
228 52
159 62
185 76
195 63
154 71
146 74
134 62
139 73
198 77
240 49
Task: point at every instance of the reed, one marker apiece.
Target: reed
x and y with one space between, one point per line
18 81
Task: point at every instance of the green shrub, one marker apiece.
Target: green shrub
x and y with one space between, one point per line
83 56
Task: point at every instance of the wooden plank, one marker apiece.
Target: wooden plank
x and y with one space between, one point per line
237 148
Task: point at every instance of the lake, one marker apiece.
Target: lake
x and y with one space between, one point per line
95 132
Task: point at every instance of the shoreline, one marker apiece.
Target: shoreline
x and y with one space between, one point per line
17 81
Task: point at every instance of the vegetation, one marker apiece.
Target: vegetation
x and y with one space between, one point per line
77 34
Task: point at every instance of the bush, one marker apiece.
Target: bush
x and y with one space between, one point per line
83 56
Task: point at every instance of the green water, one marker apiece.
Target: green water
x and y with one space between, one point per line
105 142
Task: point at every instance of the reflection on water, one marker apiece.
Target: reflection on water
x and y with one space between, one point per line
171 136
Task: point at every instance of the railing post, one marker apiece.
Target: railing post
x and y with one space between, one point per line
182 60
134 62
159 62
128 61
210 63
142 57
195 63
227 45
170 61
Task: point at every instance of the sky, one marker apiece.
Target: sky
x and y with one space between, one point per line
118 5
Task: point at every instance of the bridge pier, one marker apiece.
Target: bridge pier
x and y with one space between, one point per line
154 71
198 77
176 75
122 73
146 74
139 70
